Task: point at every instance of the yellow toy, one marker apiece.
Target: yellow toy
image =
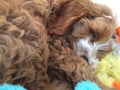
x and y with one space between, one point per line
108 70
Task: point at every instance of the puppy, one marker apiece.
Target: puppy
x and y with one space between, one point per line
23 43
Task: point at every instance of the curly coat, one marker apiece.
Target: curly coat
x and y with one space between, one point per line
31 55
23 43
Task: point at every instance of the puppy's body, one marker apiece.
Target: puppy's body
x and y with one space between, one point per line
23 47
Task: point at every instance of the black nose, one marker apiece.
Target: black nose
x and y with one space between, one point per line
85 57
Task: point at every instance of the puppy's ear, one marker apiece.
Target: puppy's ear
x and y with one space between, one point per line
64 14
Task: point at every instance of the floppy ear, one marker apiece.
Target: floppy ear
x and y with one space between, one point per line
64 14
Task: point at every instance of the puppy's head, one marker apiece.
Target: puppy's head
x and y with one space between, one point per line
91 36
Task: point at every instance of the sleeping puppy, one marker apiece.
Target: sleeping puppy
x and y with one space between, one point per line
88 27
91 36
24 52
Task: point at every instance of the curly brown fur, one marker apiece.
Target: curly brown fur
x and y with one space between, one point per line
24 54
65 13
23 47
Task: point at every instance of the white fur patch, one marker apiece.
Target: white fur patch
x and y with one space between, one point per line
84 47
90 50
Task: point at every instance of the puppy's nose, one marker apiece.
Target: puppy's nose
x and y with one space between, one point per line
85 57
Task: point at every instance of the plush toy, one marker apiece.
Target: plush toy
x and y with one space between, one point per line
11 87
86 85
108 70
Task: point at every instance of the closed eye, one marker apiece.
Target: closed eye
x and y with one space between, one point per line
94 36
